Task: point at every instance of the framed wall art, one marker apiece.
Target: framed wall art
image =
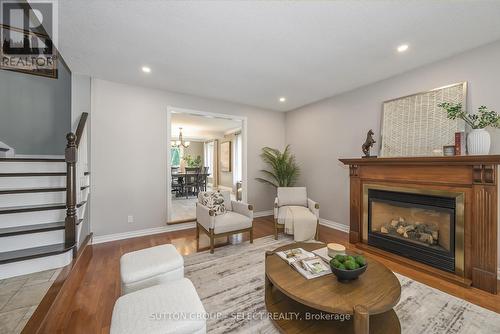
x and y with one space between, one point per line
414 125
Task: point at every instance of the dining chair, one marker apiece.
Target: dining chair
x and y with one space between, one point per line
202 182
177 185
191 179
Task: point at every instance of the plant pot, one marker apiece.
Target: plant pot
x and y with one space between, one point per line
478 142
344 275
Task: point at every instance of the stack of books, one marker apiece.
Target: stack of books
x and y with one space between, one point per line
306 263
460 148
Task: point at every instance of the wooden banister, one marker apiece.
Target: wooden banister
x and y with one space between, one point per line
81 127
71 218
71 158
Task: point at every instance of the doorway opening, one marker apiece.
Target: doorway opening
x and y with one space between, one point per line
205 152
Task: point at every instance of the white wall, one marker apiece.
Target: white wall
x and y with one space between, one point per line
81 102
129 152
80 97
336 127
322 132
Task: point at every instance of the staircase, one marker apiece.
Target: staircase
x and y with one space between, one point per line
40 224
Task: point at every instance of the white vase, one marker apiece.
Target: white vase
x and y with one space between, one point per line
478 142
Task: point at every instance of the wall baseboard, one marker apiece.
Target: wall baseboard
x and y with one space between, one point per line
224 188
334 225
156 230
263 213
139 233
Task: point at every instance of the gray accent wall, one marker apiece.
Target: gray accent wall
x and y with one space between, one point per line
35 111
322 132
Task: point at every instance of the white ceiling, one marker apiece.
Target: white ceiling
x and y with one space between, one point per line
201 127
253 52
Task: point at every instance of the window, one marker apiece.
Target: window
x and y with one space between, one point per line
237 158
175 157
209 156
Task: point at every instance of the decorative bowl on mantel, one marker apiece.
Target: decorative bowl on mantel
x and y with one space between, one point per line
347 267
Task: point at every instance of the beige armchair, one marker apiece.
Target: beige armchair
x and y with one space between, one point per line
237 219
296 214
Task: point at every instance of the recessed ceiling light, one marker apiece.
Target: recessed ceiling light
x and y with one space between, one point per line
146 69
403 47
282 99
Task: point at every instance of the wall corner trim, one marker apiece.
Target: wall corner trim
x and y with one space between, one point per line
263 213
337 226
139 233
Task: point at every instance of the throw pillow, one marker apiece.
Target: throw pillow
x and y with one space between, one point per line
214 201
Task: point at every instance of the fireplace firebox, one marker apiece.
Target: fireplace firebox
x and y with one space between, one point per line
419 227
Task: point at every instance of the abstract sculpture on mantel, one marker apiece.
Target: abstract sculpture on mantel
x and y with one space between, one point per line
368 144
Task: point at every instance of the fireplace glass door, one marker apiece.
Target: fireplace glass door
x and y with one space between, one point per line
420 227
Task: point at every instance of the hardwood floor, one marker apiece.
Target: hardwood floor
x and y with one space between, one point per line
85 303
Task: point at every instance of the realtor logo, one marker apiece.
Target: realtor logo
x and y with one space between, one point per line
28 33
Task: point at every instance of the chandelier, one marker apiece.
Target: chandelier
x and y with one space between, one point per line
180 143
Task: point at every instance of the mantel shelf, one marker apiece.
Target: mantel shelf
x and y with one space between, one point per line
436 160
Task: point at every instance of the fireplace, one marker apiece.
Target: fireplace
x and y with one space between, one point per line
422 225
417 226
471 182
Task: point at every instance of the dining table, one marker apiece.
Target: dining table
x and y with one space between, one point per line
181 181
179 174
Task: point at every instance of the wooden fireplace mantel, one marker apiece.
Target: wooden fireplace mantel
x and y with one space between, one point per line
474 176
453 160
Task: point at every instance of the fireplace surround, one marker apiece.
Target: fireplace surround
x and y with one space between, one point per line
471 181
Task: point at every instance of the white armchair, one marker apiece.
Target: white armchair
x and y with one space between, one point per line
296 214
237 219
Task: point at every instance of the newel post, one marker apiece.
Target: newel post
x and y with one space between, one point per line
71 216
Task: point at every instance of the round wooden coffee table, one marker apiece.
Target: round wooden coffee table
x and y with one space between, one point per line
324 305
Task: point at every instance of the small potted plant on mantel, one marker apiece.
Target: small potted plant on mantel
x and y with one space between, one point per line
478 140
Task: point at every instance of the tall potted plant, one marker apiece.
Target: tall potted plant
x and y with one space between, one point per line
478 140
283 171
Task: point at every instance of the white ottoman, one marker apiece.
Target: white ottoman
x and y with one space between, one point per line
172 307
151 266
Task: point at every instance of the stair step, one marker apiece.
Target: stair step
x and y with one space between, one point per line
37 228
31 190
27 229
32 160
17 230
30 208
32 182
33 253
32 174
13 198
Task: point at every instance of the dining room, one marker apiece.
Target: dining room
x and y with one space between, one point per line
206 153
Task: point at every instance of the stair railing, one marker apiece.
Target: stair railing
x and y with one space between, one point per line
72 157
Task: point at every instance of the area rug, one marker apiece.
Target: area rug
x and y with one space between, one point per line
230 284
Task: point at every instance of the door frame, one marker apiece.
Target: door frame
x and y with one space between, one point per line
244 132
